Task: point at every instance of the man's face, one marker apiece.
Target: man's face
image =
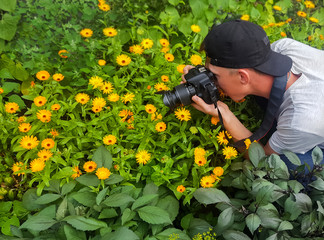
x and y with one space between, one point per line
227 80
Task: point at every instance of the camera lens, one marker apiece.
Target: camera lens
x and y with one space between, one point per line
180 95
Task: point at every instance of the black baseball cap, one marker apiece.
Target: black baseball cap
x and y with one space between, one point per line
242 44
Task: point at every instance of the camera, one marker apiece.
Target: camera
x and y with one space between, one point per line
199 81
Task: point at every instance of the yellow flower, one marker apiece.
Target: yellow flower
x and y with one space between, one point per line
29 142
156 116
58 77
183 114
275 7
160 127
283 34
109 32
181 189
101 62
99 102
54 133
207 181
137 49
165 49
40 101
180 68
301 14
48 143
147 43
107 87
161 87
247 143
199 151
96 82
1 90
164 42
218 171
229 152
82 98
24 127
222 137
42 75
309 4
128 97
150 108
89 166
195 28
104 7
214 120
56 107
126 115
11 107
21 119
113 97
142 157
103 173
109 140
37 165
86 32
312 19
164 78
44 154
245 17
76 172
44 115
195 59
62 53
169 57
321 37
200 160
96 109
18 167
123 60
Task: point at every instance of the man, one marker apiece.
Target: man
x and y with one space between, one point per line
239 54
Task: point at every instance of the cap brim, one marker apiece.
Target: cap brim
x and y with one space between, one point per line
277 64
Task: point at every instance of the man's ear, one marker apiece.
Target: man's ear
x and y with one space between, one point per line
244 76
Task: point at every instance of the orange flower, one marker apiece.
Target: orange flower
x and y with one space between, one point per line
43 75
62 53
48 143
181 188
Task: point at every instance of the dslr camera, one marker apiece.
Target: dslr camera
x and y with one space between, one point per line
199 81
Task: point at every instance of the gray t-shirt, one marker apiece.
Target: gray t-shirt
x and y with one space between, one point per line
301 115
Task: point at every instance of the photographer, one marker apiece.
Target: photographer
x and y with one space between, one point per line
241 58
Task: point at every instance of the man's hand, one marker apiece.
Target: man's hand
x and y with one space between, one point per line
185 71
210 109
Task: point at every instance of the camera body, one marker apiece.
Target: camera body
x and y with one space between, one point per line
199 81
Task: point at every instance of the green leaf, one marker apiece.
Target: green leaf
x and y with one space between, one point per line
8 26
6 226
47 198
225 220
292 157
38 223
168 233
304 202
144 200
118 200
5 207
253 221
127 216
235 235
113 179
121 233
62 209
108 213
71 233
280 168
84 224
320 207
292 208
68 187
86 198
317 184
285 225
198 8
8 5
317 156
269 218
29 200
102 157
256 153
154 215
210 196
101 195
169 204
88 180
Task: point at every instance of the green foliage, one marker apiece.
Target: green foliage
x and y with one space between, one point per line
260 201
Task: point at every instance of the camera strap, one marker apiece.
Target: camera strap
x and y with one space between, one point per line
276 96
